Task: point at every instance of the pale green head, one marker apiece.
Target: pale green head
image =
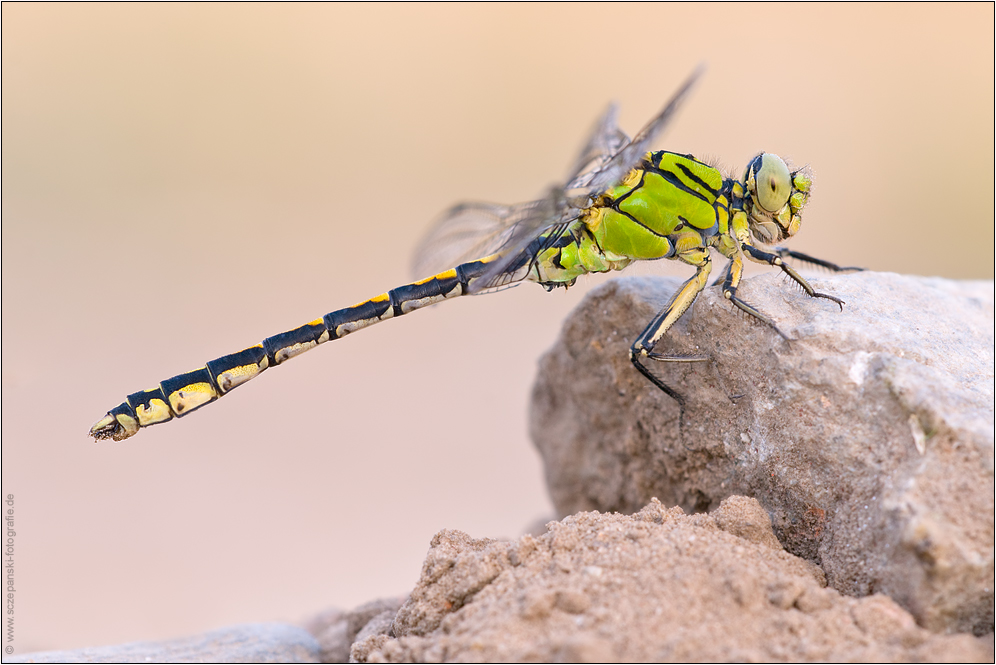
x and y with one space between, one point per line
774 198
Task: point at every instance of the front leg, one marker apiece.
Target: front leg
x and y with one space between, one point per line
759 256
806 258
734 273
682 299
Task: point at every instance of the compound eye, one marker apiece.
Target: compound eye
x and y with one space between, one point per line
774 182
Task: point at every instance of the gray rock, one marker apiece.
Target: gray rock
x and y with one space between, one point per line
658 586
868 438
336 630
247 643
382 624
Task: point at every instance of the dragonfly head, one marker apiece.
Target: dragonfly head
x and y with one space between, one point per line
775 198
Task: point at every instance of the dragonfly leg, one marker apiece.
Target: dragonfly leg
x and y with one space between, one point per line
806 258
725 274
682 299
760 256
734 273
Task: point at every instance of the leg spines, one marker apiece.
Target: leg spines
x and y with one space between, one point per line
806 258
774 259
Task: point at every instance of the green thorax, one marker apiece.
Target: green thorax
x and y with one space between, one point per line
665 206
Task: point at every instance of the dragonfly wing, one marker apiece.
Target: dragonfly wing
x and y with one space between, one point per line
605 140
630 155
549 219
607 157
474 230
468 231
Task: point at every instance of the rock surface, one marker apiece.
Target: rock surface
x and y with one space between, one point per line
247 643
655 586
868 438
336 630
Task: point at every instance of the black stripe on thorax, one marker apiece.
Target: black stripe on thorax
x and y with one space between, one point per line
614 203
677 182
699 181
638 185
638 222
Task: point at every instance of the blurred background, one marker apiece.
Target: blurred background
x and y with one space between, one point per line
181 181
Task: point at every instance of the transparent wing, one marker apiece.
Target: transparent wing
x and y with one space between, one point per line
474 230
605 159
606 139
518 263
468 231
548 219
630 155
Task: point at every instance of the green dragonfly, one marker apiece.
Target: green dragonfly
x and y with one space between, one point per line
620 204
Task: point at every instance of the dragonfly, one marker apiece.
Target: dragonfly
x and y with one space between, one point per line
621 203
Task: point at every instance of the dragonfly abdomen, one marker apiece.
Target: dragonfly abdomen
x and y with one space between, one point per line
184 393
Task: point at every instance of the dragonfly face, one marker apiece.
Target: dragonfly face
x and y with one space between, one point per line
775 198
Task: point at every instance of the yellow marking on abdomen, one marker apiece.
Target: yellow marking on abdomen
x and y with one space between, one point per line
352 326
289 352
191 396
412 305
236 376
157 412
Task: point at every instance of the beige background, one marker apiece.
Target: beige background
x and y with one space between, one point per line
180 181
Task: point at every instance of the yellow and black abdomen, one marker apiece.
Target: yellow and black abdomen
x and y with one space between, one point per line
184 393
